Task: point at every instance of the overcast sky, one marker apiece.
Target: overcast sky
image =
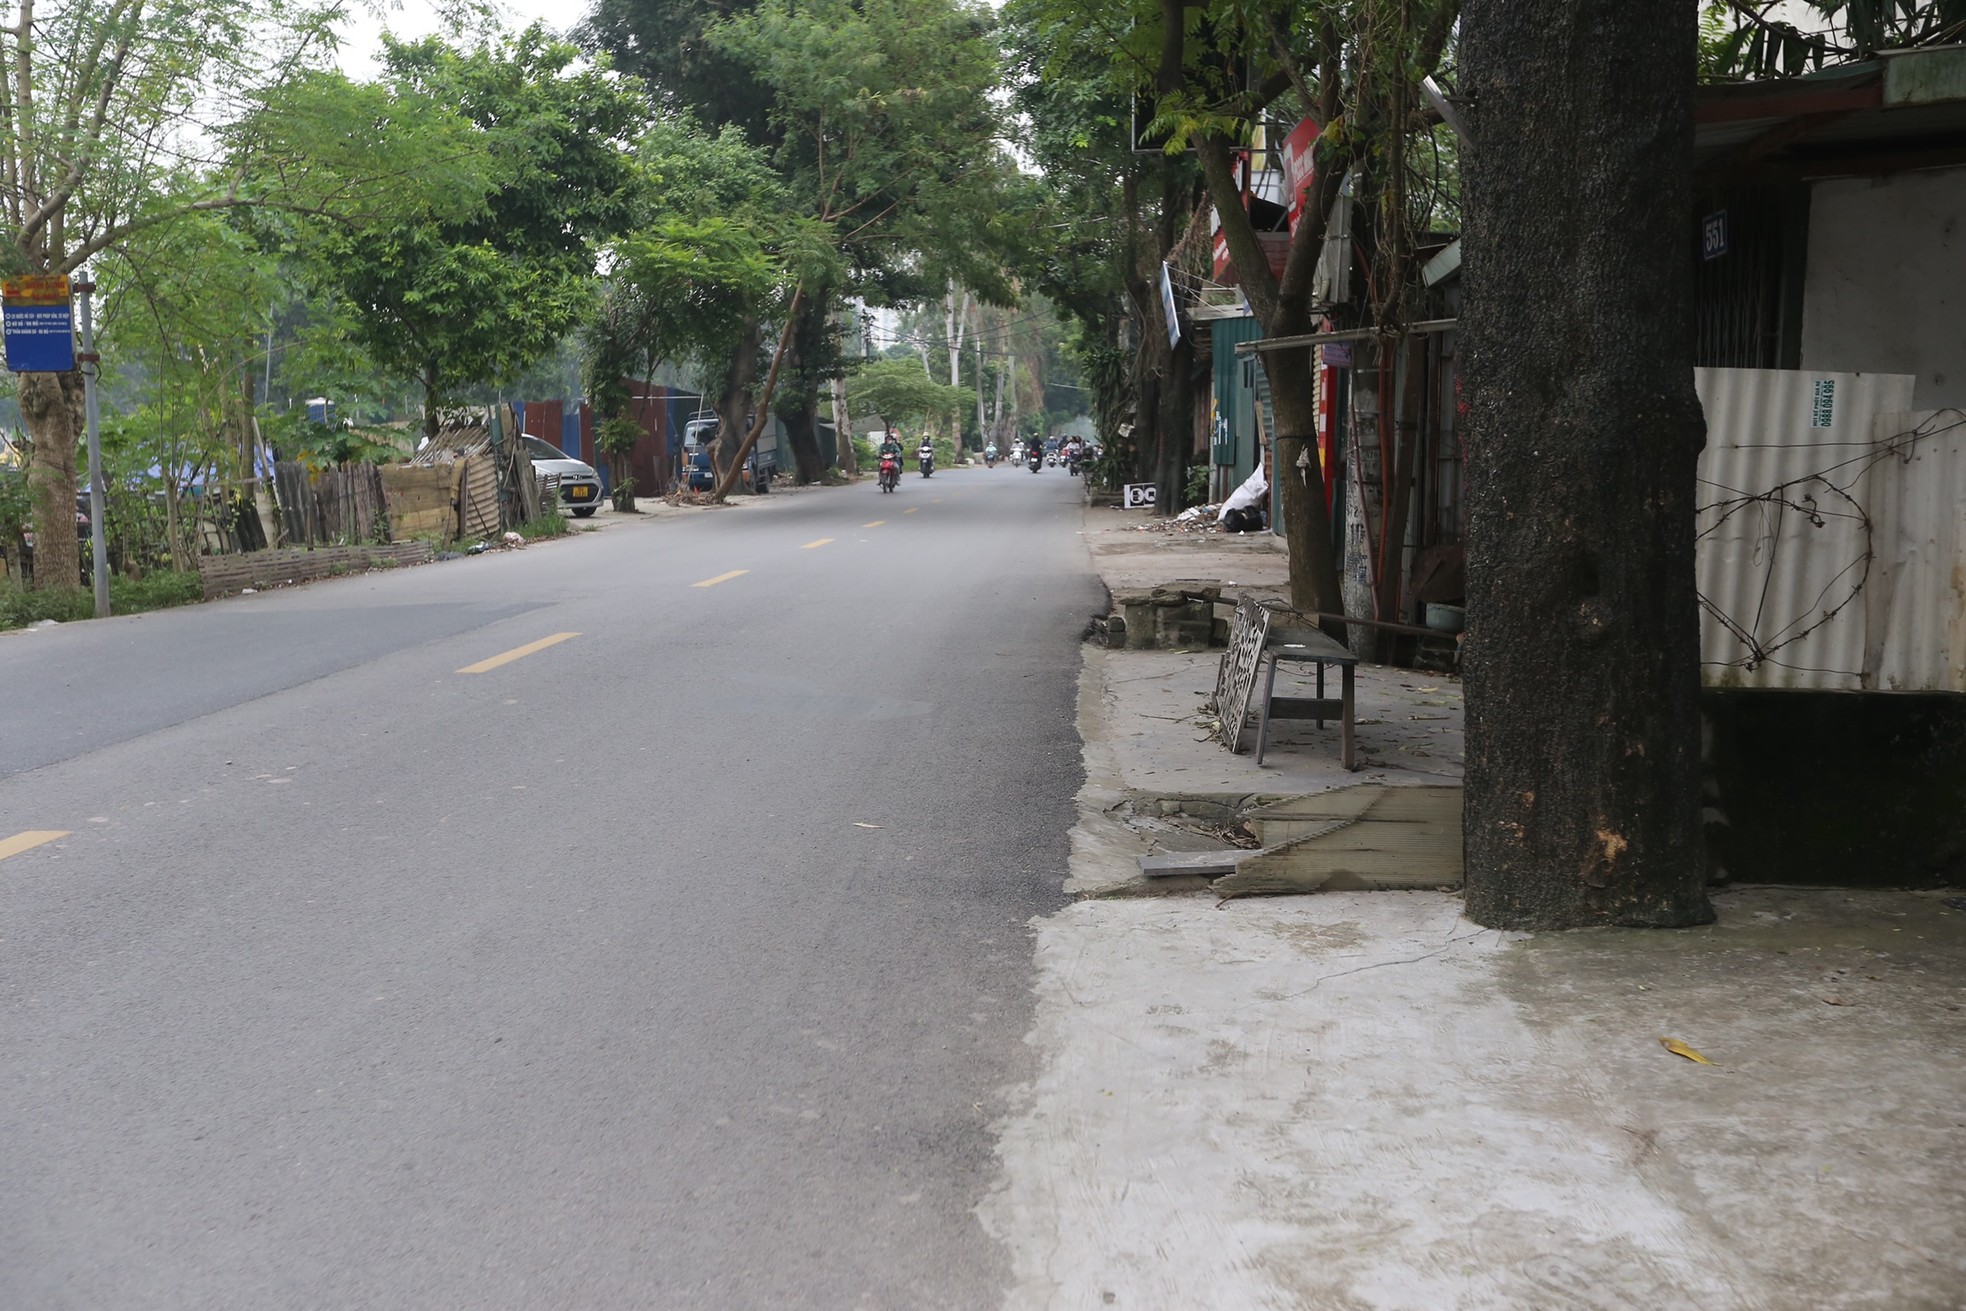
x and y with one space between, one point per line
414 18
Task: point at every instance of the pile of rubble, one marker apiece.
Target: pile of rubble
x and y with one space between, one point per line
1195 521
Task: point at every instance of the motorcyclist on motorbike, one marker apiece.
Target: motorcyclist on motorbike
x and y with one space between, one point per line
925 455
891 449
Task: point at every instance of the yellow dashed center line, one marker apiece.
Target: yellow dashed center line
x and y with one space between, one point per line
935 500
821 542
721 578
876 524
516 653
911 509
29 840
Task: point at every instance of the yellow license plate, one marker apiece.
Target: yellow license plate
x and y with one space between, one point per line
580 493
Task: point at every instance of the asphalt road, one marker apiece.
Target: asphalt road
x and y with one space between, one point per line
360 981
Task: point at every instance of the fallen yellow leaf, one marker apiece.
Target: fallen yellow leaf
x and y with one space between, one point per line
1678 1048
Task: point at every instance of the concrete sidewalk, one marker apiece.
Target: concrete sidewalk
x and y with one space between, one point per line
1363 1100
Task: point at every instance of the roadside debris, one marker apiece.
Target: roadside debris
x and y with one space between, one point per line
1678 1048
1195 521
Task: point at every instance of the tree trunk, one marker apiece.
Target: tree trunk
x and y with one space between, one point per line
1004 367
1013 420
1306 515
51 407
1146 420
1175 424
181 552
1582 657
734 406
843 431
799 417
1283 307
787 342
799 388
430 404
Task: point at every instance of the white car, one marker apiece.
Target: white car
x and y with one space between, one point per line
580 486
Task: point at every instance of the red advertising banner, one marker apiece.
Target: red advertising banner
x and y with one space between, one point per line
1298 168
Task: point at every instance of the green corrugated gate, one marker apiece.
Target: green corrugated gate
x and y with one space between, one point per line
1234 443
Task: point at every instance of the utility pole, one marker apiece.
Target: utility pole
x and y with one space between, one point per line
91 366
981 435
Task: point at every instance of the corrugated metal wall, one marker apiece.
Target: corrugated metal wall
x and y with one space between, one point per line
1831 551
1916 608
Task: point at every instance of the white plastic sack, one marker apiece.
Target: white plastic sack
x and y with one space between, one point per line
1252 493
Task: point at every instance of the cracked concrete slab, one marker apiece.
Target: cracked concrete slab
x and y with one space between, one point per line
1363 1102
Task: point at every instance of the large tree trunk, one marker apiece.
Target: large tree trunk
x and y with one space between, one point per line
1307 541
430 404
734 406
799 389
1176 426
1582 656
1147 384
843 430
799 417
1282 305
51 406
995 433
787 343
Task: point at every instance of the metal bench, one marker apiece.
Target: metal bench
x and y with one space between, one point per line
1308 646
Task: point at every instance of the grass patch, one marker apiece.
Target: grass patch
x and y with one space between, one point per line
20 606
550 524
158 590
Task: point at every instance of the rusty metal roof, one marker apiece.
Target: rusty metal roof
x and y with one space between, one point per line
1903 110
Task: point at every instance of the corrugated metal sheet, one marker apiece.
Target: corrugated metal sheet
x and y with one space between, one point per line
1831 552
1916 607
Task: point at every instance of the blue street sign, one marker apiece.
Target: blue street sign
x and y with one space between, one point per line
40 324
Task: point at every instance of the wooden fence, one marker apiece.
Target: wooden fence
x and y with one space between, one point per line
330 506
221 574
422 501
461 484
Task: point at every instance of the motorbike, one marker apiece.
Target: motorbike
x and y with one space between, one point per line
928 465
1036 461
990 458
890 472
1051 461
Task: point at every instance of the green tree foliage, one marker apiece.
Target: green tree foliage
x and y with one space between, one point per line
667 43
876 126
899 392
1101 210
183 309
483 281
1207 76
713 253
111 130
1750 39
712 248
